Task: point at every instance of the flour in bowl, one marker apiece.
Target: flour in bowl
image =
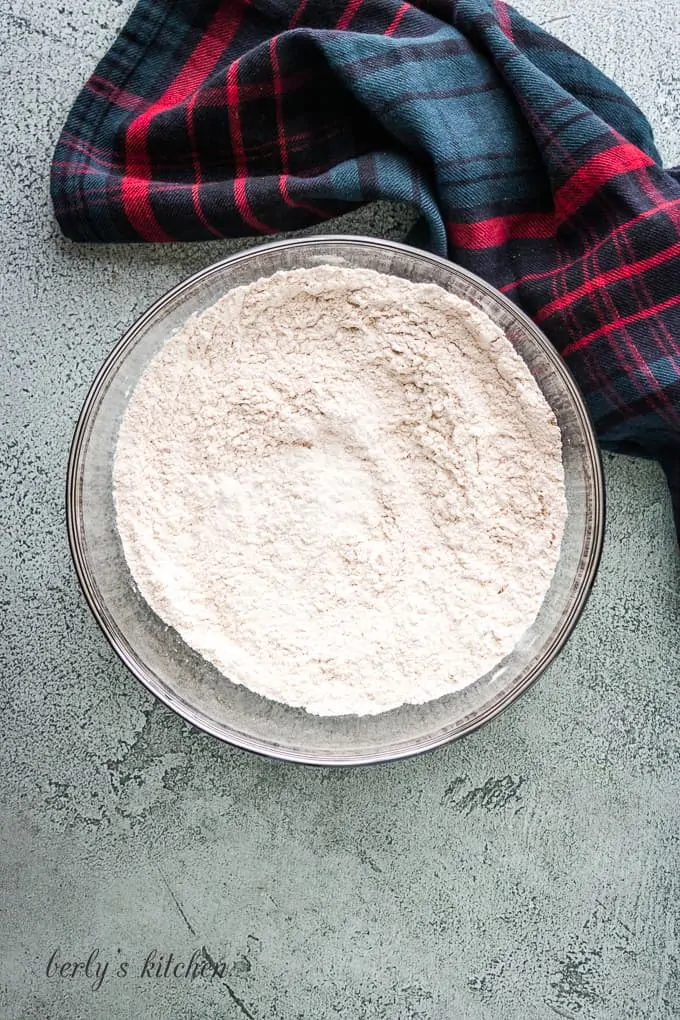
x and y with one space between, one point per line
342 489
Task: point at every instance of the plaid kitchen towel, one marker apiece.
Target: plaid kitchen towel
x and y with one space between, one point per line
216 118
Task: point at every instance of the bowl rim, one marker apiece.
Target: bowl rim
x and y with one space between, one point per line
262 747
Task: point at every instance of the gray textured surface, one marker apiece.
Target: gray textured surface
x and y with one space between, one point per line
527 872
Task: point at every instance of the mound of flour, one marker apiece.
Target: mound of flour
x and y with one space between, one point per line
342 489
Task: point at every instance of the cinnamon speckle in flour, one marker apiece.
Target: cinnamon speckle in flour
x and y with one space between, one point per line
343 489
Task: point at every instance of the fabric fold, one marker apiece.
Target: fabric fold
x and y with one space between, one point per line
527 165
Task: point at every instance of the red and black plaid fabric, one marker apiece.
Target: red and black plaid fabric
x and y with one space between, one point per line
215 118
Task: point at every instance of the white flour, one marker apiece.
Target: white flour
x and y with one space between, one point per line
344 490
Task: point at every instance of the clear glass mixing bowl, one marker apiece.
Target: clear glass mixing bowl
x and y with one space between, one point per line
184 681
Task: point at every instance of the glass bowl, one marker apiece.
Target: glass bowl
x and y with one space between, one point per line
192 687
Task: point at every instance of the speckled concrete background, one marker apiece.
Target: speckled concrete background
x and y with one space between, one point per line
528 872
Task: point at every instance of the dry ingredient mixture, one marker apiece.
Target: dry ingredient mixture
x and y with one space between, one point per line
342 489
